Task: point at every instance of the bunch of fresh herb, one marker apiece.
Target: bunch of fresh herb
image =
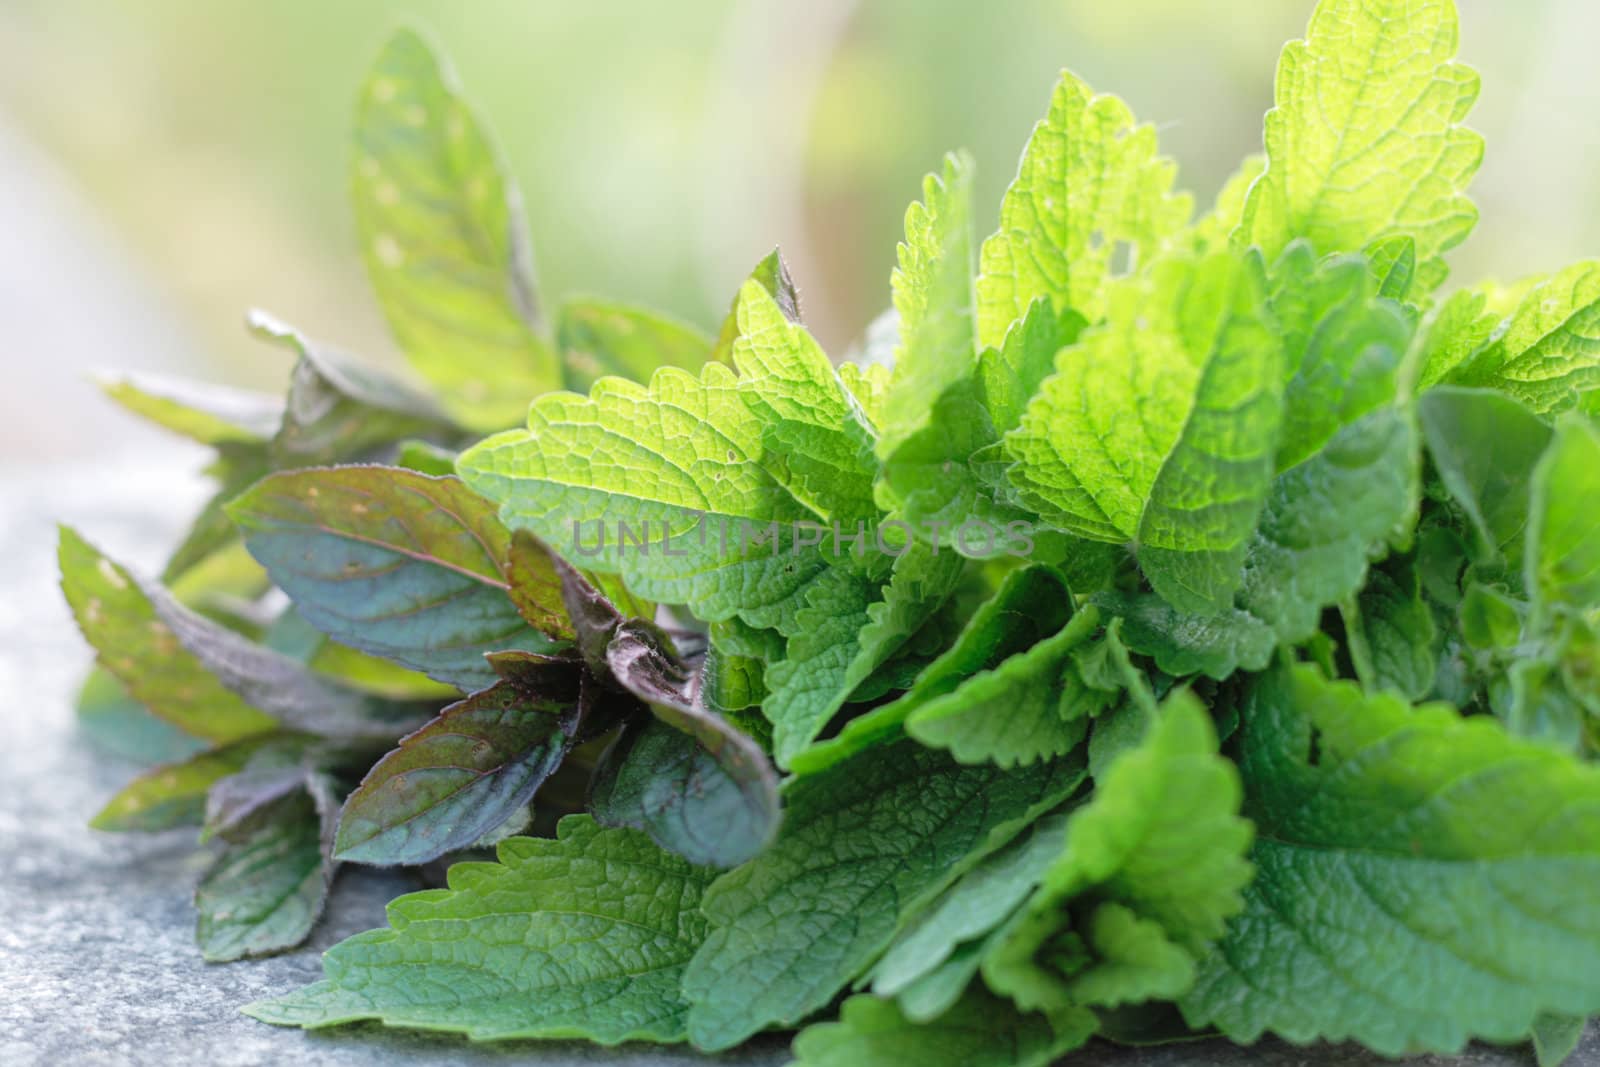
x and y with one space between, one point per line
1169 627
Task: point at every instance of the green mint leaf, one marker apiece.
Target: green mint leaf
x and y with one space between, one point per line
210 414
279 686
1031 603
868 384
1393 641
1451 333
733 677
1555 1037
298 639
1347 478
340 410
1032 706
1393 262
772 274
1563 538
1090 181
936 479
442 232
175 794
684 464
979 1031
467 771
849 627
267 889
862 848
1366 142
1421 878
689 800
1484 446
1543 354
970 910
599 337
1214 230
1344 345
1009 375
1160 426
1153 867
400 565
584 936
136 645
933 299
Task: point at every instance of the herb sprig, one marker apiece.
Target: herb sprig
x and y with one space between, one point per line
1266 701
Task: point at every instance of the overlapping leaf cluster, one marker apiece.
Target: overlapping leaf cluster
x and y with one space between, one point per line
1194 626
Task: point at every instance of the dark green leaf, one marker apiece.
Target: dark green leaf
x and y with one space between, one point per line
267 889
467 771
397 564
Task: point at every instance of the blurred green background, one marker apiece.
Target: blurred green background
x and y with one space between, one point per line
662 148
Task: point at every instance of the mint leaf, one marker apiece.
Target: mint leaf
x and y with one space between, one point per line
1346 483
1366 141
341 410
1393 641
466 772
174 794
268 887
1153 866
241 802
1450 864
970 909
399 565
714 799
1090 181
279 686
1032 706
210 414
1450 334
443 236
599 337
849 627
1563 541
141 650
862 848
1031 603
1160 427
585 936
1543 355
208 680
684 465
1393 262
772 274
933 299
1484 446
978 1032
938 480
1555 1037
672 787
